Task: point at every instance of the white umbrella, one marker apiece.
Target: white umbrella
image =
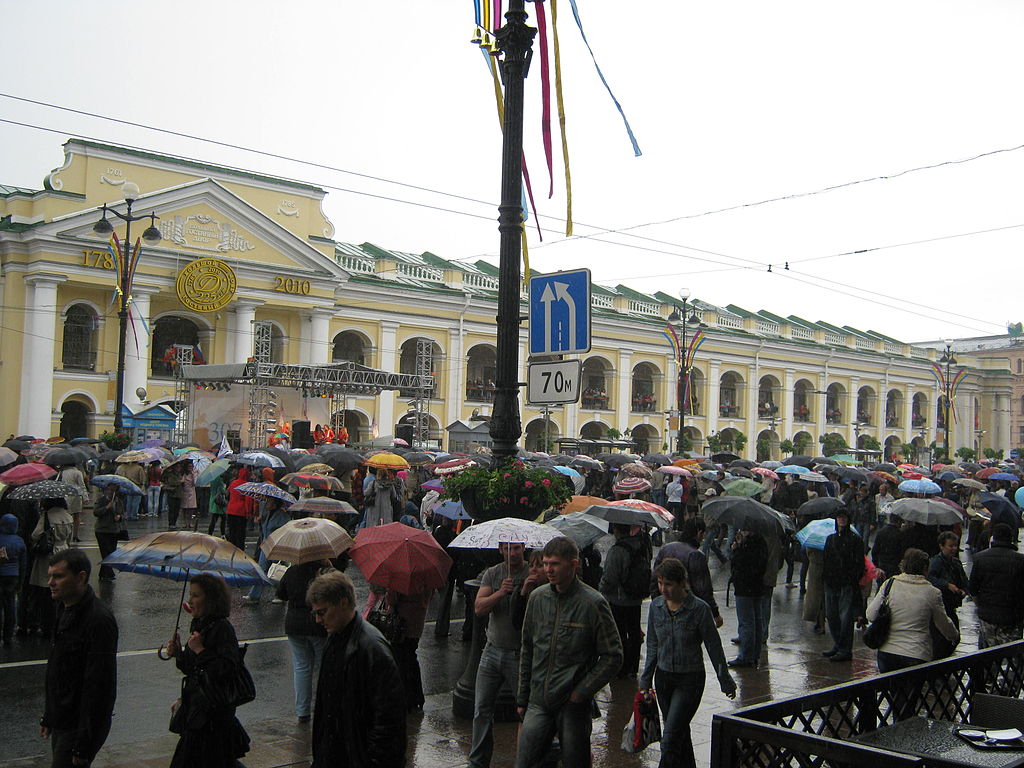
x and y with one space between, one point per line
306 540
506 530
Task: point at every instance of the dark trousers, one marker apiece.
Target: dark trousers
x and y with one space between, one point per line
409 668
627 620
570 722
107 543
8 616
173 508
61 742
236 530
840 606
444 614
213 523
679 696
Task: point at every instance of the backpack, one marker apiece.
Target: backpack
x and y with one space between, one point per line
637 585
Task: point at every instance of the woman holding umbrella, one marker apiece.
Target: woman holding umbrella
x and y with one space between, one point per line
53 533
211 736
109 512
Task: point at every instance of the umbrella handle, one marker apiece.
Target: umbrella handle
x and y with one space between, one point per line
177 622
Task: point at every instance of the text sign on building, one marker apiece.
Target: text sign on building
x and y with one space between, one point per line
560 313
553 382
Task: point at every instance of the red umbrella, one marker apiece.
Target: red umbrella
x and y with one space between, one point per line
23 474
981 474
660 511
407 560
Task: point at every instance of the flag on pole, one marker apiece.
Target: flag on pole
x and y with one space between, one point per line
225 449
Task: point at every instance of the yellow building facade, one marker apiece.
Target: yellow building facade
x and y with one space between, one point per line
768 377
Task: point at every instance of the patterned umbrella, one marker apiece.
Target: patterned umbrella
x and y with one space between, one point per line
323 505
266 490
579 503
631 485
407 560
626 515
453 466
309 480
180 555
307 540
967 482
453 510
44 489
636 469
505 530
919 486
24 474
7 456
654 509
765 472
318 468
131 457
259 459
123 484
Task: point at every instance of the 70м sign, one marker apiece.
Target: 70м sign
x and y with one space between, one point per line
553 382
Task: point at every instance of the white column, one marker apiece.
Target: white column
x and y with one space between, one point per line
315 346
623 393
850 414
137 345
1001 425
456 377
245 313
713 386
878 418
821 426
36 402
788 384
751 426
388 346
908 414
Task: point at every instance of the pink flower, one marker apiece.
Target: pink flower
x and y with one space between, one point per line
507 475
523 500
504 499
528 484
545 482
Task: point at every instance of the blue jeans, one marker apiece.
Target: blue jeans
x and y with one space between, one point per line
307 651
257 589
766 612
748 614
153 499
498 667
710 543
131 507
840 604
679 696
570 721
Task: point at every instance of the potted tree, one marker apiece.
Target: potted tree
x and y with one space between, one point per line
507 490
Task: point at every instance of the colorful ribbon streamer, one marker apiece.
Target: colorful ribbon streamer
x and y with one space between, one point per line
560 103
545 92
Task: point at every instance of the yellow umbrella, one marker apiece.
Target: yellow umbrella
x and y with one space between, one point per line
579 503
387 460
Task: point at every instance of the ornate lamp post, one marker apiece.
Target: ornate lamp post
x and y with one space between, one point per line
125 276
678 317
948 360
515 41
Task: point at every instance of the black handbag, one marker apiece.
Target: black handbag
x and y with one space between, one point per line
43 546
878 631
388 622
233 690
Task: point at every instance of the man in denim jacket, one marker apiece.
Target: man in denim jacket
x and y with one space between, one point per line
571 649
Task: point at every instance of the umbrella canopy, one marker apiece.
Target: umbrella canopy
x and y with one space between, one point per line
812 477
44 489
631 485
949 476
636 469
180 555
765 472
771 464
108 455
814 534
746 515
387 460
123 484
131 457
884 477
579 503
1003 510
23 474
986 473
845 458
725 457
505 530
317 482
339 458
7 456
453 510
647 506
433 484
18 445
62 457
884 467
266 490
797 461
1005 476
626 515
742 487
671 469
419 458
616 459
407 560
306 540
318 468
925 511
970 467
745 463
967 482
792 469
1018 496
453 466
259 459
322 505
821 507
659 459
584 462
582 528
919 486
212 472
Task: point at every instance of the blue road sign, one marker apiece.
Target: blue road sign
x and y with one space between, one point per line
560 313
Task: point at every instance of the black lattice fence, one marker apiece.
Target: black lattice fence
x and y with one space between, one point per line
814 731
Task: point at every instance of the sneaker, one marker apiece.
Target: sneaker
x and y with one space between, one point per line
277 601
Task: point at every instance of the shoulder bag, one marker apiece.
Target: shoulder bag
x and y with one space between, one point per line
232 690
386 619
43 546
878 632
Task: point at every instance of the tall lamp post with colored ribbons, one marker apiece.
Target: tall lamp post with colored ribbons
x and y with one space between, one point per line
679 320
948 383
126 258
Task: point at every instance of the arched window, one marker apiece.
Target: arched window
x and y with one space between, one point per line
167 332
74 420
79 350
276 344
349 346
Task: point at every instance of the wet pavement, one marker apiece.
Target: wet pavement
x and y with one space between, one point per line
145 610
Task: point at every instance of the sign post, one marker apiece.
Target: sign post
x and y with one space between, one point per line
560 313
550 383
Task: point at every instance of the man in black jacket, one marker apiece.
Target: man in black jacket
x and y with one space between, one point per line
359 719
843 567
81 672
997 584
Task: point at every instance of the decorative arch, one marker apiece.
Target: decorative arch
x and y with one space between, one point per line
598 378
728 437
533 435
866 397
81 396
940 412
594 430
893 408
644 387
81 332
803 402
433 425
892 447
919 410
835 403
646 438
169 329
407 361
696 438
351 346
769 395
802 442
730 395
767 445
76 417
481 372
355 420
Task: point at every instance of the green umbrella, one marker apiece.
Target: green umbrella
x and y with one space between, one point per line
742 487
215 470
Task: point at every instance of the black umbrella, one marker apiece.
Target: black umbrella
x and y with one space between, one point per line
108 455
746 514
745 463
343 459
26 438
303 459
850 473
63 457
24 445
1002 509
824 460
708 465
890 468
799 461
83 441
286 456
583 462
418 458
616 459
970 467
724 457
820 508
44 489
657 458
741 472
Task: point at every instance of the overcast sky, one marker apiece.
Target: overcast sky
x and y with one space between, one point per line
732 103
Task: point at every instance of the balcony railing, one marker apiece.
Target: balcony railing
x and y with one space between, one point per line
480 392
596 401
802 414
833 417
729 411
644 403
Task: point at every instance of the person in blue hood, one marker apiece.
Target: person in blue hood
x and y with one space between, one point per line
13 568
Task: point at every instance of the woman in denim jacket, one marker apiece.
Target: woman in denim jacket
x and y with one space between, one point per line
677 624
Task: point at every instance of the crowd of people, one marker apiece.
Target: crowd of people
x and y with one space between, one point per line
562 621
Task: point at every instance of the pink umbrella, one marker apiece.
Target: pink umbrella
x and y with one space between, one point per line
673 470
765 473
647 506
400 441
631 485
453 466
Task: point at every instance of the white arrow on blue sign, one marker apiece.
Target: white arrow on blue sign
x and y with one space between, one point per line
560 313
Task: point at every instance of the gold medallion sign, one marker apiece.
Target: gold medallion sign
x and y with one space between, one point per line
206 285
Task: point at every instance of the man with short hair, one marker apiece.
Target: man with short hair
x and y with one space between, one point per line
627 572
571 649
687 551
359 719
844 565
81 672
499 660
997 585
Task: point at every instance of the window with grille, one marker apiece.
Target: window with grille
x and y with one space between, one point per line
79 350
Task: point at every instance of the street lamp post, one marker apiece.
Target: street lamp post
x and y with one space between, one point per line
515 40
126 273
683 378
949 361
